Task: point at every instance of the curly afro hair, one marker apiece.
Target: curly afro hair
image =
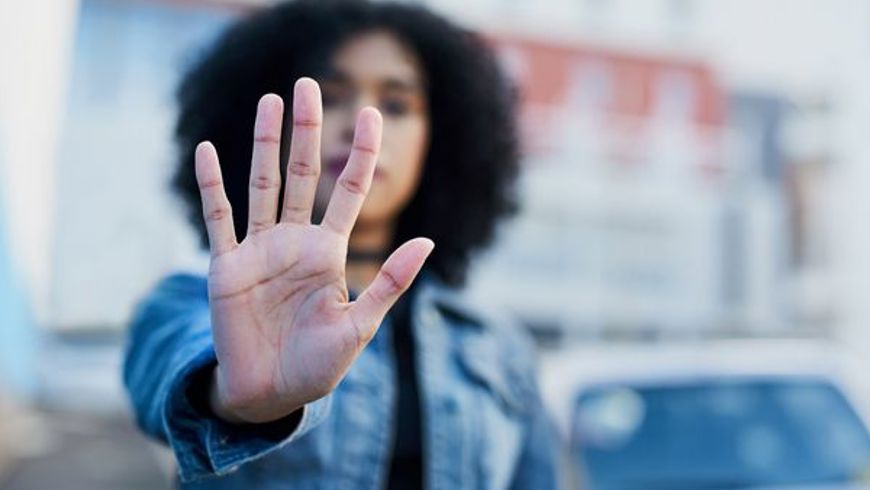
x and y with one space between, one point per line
468 181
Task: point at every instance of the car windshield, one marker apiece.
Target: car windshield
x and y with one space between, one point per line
718 434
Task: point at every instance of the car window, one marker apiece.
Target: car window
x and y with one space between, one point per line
718 434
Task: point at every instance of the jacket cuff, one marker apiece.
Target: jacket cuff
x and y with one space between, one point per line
205 445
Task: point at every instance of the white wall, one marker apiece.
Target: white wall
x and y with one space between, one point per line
35 47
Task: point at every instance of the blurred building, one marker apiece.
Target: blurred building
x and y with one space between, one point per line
662 181
118 229
768 242
624 192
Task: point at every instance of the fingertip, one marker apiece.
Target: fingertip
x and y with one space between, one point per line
426 244
206 166
371 114
415 251
270 100
306 83
307 103
420 245
203 149
369 129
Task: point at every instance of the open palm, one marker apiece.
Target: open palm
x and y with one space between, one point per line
284 331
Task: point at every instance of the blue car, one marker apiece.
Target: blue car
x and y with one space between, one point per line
707 417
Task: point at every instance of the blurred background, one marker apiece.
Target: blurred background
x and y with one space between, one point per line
693 255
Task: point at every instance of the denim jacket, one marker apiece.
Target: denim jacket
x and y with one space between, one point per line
483 426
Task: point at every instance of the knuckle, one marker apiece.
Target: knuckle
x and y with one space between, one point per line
392 286
217 214
268 139
365 149
257 225
302 168
295 212
306 123
378 295
336 225
210 184
353 186
295 209
264 183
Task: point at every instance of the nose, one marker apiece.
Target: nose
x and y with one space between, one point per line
347 131
362 100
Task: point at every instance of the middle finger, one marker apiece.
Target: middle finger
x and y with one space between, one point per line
303 167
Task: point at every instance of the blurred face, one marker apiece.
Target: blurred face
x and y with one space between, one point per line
375 69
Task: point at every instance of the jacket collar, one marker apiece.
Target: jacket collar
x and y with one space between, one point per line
449 302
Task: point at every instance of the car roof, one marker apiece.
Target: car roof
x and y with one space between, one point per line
566 372
638 362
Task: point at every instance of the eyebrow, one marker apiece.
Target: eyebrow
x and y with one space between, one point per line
391 83
402 85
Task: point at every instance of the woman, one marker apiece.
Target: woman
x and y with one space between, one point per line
294 363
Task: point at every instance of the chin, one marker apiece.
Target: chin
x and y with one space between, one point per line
377 214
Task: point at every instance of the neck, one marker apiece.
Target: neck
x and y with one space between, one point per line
360 273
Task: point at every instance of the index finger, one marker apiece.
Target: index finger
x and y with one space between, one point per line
355 180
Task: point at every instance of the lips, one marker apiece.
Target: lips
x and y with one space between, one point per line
334 165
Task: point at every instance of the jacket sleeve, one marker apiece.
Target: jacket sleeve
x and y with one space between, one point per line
167 364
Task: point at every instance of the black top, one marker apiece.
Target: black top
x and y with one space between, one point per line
406 466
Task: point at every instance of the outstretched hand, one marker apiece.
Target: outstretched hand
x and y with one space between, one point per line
284 330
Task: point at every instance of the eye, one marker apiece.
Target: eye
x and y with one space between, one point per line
330 100
333 96
395 106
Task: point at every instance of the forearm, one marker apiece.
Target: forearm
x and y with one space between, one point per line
166 341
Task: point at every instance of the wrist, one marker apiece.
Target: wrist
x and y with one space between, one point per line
243 413
215 402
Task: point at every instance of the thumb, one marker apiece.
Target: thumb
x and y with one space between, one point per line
394 278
